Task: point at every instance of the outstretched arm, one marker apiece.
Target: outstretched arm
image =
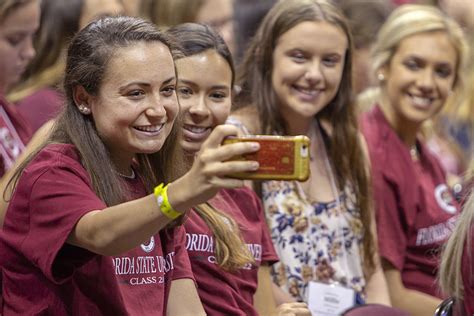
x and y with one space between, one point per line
118 228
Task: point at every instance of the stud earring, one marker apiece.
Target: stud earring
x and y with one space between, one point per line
380 76
84 109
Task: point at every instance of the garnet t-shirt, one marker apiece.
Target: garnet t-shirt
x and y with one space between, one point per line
415 210
45 275
41 106
222 292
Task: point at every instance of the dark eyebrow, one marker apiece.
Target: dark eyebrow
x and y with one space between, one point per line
193 84
187 82
138 83
167 81
422 60
444 64
146 84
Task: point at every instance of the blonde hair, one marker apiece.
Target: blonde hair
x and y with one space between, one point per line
450 277
230 249
411 19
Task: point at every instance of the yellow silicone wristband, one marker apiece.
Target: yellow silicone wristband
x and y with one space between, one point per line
161 193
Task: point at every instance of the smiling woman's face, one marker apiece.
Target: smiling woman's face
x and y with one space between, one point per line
205 99
308 62
16 42
136 105
419 78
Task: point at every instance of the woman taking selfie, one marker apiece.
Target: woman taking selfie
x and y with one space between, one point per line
89 228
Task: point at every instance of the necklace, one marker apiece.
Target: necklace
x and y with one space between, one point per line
414 153
131 176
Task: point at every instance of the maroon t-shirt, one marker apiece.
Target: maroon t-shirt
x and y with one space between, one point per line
221 292
15 133
45 275
41 106
415 210
467 272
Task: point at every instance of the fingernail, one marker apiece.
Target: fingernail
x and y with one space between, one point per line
255 165
255 145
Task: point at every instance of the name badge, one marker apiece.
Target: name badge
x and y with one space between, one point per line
329 299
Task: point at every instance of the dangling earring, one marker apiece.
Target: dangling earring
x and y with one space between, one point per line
380 76
84 109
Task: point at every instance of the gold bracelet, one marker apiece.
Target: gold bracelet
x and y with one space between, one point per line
161 193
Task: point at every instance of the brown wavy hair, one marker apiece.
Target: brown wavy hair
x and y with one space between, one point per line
344 145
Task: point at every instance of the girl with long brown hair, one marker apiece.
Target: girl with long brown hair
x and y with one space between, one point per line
296 79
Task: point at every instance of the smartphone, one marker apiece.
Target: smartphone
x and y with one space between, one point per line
280 157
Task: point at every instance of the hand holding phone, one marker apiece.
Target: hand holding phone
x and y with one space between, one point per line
280 157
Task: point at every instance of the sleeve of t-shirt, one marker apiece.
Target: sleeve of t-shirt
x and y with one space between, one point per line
269 254
59 197
182 264
390 219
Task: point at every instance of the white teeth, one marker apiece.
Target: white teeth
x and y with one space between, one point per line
420 101
149 128
307 91
196 129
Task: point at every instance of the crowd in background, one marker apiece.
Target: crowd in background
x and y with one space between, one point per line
117 194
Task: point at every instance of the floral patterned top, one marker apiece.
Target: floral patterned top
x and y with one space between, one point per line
320 241
314 240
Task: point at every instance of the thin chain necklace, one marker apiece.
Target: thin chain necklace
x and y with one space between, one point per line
415 155
131 176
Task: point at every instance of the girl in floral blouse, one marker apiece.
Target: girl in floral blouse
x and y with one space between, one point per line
296 80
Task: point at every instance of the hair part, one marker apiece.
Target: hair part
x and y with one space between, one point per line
197 38
344 145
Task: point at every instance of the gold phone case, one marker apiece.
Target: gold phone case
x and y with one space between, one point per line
280 157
